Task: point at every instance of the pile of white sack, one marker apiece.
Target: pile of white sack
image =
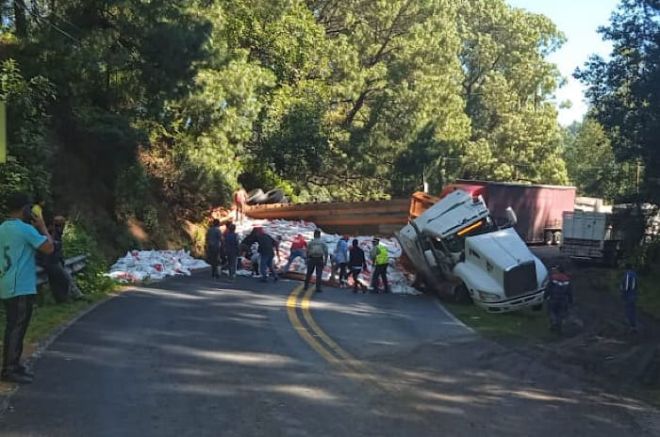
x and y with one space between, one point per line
141 266
153 265
399 280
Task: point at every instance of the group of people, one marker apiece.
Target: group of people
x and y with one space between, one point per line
559 297
223 251
348 261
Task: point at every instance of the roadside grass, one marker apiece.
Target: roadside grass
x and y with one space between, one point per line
531 325
48 315
527 325
607 281
649 296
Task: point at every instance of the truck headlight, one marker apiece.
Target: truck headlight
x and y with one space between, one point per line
488 297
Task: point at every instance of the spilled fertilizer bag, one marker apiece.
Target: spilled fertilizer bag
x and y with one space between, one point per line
153 265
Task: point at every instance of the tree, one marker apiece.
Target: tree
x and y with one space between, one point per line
507 86
591 164
28 121
623 91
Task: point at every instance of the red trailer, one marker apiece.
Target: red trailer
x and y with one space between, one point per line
539 207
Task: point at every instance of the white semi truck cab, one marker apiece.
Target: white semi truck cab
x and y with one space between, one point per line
457 250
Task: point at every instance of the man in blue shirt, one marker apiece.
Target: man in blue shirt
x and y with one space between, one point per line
19 243
629 285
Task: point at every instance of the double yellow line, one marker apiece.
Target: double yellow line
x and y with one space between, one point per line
311 332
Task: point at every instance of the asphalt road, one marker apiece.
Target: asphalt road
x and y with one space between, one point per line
196 357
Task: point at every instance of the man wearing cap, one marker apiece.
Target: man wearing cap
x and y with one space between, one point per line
380 258
559 296
19 243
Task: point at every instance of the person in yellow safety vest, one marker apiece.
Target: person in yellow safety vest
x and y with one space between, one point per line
380 258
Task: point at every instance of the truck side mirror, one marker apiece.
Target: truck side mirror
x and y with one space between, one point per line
511 217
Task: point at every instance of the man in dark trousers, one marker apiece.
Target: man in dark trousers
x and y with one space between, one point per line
628 288
268 248
317 258
381 259
19 243
213 242
357 262
231 249
559 296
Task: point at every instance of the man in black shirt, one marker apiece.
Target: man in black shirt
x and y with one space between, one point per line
268 247
356 262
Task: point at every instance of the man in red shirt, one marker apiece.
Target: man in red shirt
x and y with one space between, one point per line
298 250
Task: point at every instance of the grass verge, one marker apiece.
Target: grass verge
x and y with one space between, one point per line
48 317
521 325
533 325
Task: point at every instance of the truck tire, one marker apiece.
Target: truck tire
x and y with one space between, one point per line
256 197
548 237
462 295
274 196
556 238
611 259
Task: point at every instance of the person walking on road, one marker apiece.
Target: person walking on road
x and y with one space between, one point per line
317 258
298 249
213 243
628 288
380 258
340 256
357 262
19 243
559 296
231 249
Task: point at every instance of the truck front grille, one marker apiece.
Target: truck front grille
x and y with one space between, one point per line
520 279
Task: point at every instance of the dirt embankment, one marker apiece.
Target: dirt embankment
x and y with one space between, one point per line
597 344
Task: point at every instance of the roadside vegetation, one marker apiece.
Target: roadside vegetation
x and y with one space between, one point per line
133 118
49 315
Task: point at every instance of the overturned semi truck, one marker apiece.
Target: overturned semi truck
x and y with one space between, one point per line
458 250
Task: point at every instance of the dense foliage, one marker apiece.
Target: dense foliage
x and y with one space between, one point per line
138 109
624 90
592 166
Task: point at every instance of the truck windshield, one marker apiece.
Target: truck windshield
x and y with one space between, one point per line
456 242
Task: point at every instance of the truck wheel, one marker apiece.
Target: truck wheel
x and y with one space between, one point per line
556 238
461 294
548 237
612 259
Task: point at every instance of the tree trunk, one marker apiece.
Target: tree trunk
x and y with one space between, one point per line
20 20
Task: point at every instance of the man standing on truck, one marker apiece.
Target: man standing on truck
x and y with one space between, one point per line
380 258
559 296
628 289
240 199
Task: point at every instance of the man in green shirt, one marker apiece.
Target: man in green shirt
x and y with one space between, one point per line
19 243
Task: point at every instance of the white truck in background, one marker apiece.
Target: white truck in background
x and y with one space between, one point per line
458 251
591 236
